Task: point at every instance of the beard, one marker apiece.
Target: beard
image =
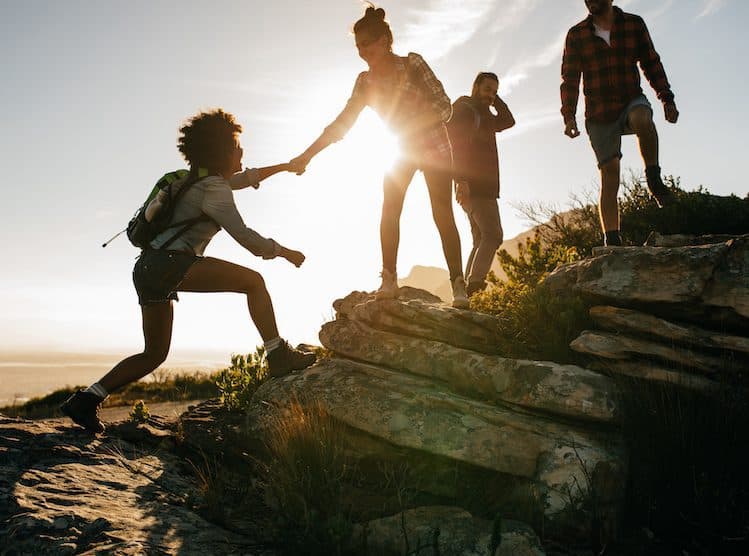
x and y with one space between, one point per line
597 7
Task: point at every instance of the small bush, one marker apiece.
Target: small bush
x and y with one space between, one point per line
534 324
139 414
304 481
236 384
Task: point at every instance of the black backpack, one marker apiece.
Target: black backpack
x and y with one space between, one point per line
169 190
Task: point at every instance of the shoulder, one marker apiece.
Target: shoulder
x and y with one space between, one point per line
416 60
462 105
215 183
630 20
578 28
361 80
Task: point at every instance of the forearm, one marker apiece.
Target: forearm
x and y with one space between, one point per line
319 144
268 171
504 118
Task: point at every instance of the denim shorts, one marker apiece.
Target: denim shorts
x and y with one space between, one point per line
158 273
606 138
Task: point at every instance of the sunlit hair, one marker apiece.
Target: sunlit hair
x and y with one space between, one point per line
480 78
373 23
208 139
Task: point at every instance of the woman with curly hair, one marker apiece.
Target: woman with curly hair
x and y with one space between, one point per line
210 145
404 91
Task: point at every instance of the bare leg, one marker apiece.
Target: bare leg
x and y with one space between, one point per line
440 194
640 121
215 275
394 193
608 205
157 334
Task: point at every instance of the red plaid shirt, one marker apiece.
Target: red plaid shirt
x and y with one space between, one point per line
412 102
610 76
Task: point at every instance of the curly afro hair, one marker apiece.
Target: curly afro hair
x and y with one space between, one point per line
208 139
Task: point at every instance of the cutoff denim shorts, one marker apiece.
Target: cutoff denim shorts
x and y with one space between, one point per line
158 273
606 138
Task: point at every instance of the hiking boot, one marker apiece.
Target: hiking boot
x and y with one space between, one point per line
460 298
83 408
475 287
662 194
285 359
389 287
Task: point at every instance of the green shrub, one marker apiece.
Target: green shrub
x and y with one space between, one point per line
304 480
236 384
139 414
534 324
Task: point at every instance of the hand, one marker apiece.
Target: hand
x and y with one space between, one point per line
671 112
298 165
294 257
570 129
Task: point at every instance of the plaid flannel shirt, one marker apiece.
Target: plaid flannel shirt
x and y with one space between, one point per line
610 75
413 103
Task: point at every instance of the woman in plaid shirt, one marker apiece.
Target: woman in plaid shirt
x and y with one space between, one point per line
411 100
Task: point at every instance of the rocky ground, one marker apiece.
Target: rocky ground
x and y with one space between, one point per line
126 492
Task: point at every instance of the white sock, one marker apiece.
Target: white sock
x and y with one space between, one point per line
272 344
98 390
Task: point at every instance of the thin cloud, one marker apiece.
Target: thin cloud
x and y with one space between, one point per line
551 53
710 7
444 25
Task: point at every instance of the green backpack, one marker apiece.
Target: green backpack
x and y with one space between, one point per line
156 213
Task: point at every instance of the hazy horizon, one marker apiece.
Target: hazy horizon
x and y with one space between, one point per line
94 93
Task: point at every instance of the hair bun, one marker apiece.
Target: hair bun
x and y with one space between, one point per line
376 13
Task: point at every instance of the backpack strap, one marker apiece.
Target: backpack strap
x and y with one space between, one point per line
189 222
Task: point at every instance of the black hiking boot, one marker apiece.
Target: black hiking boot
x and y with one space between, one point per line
475 287
285 359
83 408
662 194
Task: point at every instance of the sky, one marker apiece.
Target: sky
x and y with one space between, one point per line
94 91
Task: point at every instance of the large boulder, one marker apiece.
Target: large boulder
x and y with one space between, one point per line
693 279
413 382
565 390
673 313
443 531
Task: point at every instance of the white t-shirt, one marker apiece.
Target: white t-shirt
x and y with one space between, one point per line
605 34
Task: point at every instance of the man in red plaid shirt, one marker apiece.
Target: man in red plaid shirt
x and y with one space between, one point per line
605 48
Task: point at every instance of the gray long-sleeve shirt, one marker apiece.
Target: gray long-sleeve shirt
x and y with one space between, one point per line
213 197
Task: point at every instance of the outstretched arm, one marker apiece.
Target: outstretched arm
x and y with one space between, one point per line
251 177
337 129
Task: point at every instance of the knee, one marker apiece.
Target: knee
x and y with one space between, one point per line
254 282
641 120
155 356
496 238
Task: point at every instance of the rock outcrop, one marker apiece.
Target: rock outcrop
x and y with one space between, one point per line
416 382
675 311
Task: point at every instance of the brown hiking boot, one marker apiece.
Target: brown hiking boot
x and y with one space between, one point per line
83 408
285 359
660 192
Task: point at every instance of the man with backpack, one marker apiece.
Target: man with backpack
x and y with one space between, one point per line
172 260
472 129
604 49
